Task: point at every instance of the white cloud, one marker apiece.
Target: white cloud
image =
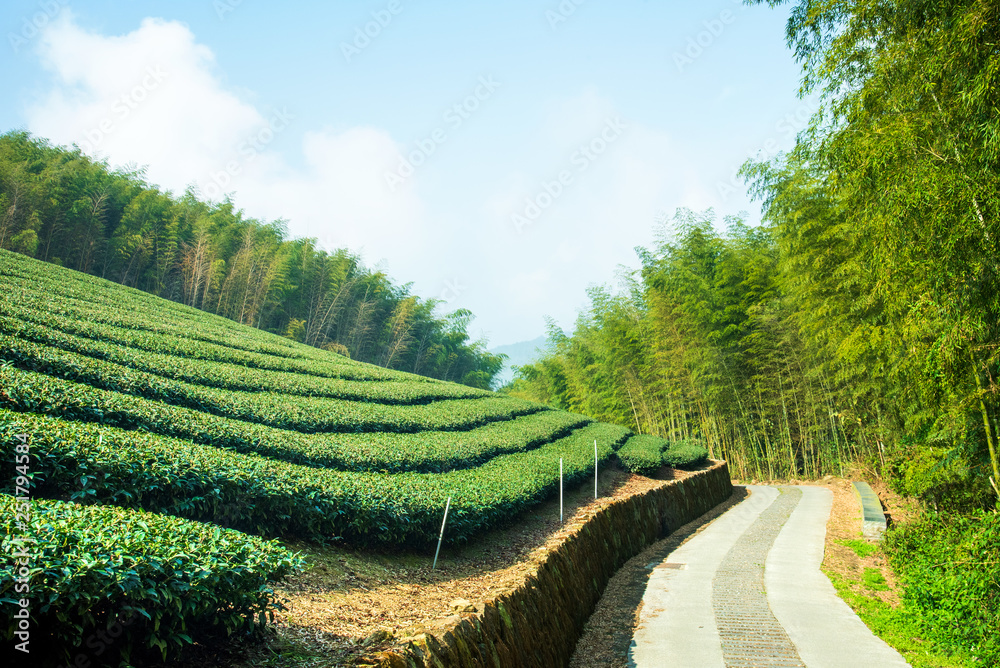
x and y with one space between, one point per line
154 97
341 197
150 97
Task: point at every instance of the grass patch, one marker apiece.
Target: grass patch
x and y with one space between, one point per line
288 653
874 580
893 625
861 548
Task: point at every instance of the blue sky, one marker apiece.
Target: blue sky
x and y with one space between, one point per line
500 156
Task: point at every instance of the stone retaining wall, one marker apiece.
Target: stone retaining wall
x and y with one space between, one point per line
537 624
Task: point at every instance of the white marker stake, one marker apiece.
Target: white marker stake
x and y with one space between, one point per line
560 492
441 537
595 469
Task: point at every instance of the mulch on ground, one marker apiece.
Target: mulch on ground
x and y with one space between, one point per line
845 525
352 602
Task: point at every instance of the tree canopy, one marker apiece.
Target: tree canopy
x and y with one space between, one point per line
58 205
860 322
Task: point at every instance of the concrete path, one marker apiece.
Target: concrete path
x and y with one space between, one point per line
747 591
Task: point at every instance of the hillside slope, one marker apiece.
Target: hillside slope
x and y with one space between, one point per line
105 377
174 423
63 207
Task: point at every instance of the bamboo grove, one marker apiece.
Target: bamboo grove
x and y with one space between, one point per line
859 323
59 206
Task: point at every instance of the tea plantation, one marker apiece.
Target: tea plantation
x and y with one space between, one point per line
152 455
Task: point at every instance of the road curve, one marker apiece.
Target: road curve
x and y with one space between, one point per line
747 590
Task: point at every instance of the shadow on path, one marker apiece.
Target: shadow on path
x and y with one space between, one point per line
608 634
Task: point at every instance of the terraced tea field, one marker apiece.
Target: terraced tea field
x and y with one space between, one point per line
152 454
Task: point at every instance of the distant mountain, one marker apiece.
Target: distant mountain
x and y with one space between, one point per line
517 354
